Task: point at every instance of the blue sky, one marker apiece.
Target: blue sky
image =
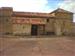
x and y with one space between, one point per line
39 5
54 3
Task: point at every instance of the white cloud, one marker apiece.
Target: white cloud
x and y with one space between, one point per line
26 5
68 5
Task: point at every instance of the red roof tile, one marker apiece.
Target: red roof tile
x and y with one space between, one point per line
32 14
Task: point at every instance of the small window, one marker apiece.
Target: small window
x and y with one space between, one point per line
47 20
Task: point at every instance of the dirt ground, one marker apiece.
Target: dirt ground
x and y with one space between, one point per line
47 46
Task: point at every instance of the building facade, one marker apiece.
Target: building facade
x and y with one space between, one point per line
58 22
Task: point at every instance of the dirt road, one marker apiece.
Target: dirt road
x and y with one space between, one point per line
37 47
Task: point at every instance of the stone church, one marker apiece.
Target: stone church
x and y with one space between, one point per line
59 22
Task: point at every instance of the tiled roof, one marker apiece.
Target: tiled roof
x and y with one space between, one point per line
61 10
32 14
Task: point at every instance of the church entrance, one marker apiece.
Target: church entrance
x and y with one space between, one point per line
34 29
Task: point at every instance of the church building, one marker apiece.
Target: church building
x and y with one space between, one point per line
59 22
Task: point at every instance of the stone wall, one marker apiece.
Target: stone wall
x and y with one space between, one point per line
64 21
49 26
22 29
5 20
58 25
73 29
